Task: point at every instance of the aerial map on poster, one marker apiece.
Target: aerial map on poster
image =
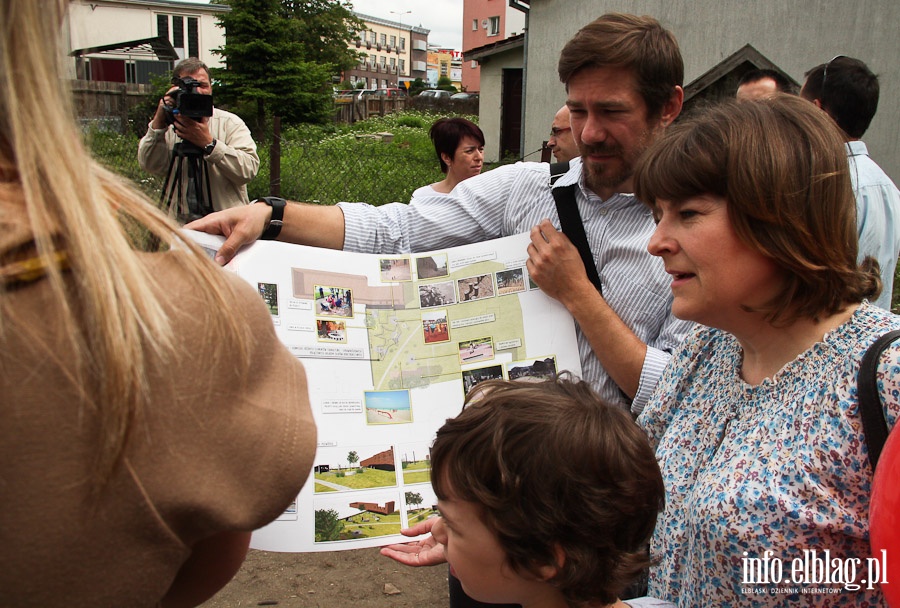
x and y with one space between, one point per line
391 344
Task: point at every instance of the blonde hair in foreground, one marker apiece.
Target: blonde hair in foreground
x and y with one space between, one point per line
110 302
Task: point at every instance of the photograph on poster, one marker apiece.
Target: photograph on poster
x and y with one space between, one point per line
333 301
415 461
436 294
351 467
421 503
269 293
543 368
343 518
434 326
331 331
510 281
431 266
475 288
479 349
472 377
387 407
395 269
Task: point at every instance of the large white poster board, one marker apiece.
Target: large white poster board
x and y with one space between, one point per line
391 344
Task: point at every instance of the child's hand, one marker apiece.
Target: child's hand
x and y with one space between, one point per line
425 552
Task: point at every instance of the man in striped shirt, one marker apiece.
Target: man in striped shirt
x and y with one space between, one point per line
623 76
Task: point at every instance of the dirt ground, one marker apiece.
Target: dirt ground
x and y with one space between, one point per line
360 578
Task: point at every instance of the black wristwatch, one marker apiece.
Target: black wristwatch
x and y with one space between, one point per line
274 226
208 149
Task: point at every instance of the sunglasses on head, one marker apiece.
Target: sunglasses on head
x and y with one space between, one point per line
825 70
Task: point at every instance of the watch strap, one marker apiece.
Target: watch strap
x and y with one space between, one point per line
273 228
208 149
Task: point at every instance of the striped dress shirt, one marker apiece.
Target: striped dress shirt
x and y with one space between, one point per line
514 198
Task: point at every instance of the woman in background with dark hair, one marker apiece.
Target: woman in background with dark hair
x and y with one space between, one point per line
756 420
459 145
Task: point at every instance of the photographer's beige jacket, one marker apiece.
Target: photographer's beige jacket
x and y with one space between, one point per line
232 164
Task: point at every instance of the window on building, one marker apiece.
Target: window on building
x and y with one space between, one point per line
383 39
494 26
373 37
130 71
383 61
474 25
373 61
193 38
403 66
393 41
474 64
182 32
393 62
162 26
178 32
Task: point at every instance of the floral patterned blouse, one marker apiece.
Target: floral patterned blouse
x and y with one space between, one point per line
762 480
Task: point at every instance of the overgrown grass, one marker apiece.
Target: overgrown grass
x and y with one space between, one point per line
319 163
119 154
417 477
371 478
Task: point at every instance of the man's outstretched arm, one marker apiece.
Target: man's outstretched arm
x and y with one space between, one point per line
314 225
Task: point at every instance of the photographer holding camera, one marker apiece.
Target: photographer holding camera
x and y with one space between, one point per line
221 140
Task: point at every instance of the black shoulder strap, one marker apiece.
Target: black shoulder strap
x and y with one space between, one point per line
557 170
870 409
570 221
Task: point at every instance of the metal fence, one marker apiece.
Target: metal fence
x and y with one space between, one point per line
371 170
367 169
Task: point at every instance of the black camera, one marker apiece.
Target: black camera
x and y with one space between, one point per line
188 102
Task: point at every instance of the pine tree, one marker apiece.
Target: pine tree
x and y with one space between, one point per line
275 62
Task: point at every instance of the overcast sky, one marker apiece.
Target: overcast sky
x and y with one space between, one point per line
442 17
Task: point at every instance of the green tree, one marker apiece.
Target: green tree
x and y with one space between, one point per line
445 84
326 28
352 458
328 525
142 113
283 54
417 86
413 499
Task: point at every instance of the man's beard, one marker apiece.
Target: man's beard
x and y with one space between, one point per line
611 176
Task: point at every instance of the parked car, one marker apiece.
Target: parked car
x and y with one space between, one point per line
464 95
392 92
354 95
435 93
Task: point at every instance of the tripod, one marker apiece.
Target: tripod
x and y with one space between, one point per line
189 194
